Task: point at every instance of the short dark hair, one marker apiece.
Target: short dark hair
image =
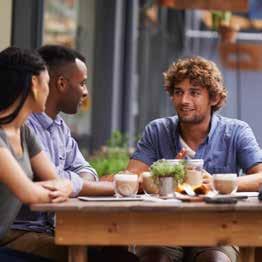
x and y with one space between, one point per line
17 66
199 71
56 56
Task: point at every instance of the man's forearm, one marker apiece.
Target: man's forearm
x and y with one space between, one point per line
250 183
92 188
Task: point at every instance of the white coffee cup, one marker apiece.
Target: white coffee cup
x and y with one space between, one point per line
225 183
125 184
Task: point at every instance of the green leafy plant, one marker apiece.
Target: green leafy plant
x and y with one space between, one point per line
117 140
220 18
113 157
163 168
110 163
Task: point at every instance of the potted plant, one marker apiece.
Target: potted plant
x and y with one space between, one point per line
221 21
167 3
167 175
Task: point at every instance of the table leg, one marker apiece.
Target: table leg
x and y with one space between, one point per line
77 254
247 254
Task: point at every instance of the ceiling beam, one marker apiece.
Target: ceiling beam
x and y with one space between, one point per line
229 5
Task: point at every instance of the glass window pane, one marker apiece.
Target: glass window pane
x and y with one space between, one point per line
60 22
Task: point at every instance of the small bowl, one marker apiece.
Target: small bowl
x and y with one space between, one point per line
149 184
225 183
126 184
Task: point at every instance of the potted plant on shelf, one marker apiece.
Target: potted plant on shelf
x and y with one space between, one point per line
167 176
221 21
167 3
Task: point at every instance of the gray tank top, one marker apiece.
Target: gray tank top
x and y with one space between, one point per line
9 203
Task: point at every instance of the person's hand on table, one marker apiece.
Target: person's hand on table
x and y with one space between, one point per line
59 189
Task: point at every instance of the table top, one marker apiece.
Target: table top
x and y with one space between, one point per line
74 204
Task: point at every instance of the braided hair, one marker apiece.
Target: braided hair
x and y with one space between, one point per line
17 66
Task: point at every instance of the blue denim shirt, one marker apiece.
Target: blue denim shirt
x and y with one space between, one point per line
56 140
229 146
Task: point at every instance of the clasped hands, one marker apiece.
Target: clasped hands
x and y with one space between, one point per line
59 189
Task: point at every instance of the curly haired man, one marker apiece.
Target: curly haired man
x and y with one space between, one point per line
226 145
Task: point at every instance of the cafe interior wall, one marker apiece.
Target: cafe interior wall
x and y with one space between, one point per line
105 34
127 53
163 42
80 17
5 23
244 86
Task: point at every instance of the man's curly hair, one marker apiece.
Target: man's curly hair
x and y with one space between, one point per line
200 72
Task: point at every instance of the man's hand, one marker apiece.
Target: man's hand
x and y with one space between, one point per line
60 189
182 154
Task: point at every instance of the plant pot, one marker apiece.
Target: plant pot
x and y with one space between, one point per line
167 3
166 186
227 33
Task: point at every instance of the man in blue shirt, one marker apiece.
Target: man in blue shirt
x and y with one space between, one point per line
196 88
33 231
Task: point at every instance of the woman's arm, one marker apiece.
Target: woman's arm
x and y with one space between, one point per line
16 180
45 171
42 167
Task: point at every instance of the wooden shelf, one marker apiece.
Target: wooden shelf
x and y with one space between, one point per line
230 5
241 56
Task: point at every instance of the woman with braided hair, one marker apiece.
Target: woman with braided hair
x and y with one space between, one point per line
23 90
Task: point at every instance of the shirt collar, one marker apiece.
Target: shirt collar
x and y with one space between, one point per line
47 121
214 123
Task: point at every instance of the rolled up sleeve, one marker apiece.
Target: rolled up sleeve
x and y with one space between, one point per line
75 179
250 153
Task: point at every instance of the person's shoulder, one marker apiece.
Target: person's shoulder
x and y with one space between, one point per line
162 126
32 118
232 126
231 122
26 130
35 120
164 121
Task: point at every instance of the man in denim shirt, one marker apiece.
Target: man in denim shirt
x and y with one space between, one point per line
196 88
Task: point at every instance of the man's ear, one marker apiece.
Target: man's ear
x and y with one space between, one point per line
214 100
34 81
61 83
34 87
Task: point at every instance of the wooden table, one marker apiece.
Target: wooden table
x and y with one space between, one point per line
79 224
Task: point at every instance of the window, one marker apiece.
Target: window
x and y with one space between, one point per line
60 22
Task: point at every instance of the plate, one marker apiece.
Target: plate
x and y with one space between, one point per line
137 198
238 195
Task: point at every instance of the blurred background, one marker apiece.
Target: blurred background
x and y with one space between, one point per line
130 43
